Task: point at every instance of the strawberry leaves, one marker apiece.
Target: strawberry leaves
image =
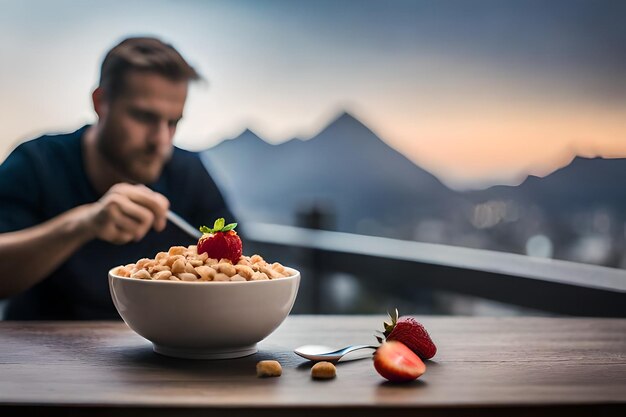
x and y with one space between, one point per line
219 226
387 326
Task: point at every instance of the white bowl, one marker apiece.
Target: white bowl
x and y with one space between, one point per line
204 320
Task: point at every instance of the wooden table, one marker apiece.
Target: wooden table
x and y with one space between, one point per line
485 366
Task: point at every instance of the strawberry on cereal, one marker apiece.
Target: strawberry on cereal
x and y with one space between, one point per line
217 257
220 242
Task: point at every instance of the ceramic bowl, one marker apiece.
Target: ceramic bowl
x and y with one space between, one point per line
204 320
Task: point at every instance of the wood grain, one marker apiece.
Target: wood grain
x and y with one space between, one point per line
486 366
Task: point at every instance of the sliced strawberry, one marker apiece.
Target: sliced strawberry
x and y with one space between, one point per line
221 241
397 363
410 332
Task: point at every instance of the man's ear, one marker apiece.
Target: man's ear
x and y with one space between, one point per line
99 101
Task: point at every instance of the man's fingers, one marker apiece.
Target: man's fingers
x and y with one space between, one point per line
122 237
133 218
157 203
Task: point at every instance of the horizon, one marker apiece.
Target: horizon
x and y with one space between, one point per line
462 186
480 95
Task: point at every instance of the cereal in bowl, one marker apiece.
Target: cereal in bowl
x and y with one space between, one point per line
216 257
182 263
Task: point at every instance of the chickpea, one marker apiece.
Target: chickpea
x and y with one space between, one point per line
162 275
266 369
206 273
237 277
323 370
221 277
186 276
177 250
226 268
178 266
245 271
141 274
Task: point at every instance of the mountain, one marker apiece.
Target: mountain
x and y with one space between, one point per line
345 169
365 186
582 184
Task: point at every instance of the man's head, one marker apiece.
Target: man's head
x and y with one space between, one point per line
140 99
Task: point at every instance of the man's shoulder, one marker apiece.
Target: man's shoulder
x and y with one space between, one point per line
186 166
182 158
183 154
53 141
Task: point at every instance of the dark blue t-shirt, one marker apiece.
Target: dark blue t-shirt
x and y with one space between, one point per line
45 177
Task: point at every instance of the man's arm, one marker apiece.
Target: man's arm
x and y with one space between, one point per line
125 213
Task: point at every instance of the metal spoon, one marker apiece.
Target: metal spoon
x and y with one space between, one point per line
325 353
183 225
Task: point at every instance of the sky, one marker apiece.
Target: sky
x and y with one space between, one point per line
479 92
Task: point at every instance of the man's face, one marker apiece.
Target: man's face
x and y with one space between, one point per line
137 126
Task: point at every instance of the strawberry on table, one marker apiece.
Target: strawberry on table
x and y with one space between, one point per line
397 363
410 332
221 241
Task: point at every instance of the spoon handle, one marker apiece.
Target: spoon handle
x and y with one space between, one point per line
358 347
183 225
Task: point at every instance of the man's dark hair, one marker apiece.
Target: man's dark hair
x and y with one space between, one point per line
142 54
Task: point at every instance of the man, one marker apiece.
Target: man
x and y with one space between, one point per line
74 205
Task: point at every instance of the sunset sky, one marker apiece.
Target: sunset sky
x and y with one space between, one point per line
477 92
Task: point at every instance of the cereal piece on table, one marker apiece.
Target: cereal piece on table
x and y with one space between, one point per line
237 277
177 250
266 369
206 273
178 266
186 276
323 370
141 274
162 275
221 277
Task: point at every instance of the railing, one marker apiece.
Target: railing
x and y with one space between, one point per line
395 265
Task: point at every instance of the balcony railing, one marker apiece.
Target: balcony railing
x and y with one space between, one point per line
395 265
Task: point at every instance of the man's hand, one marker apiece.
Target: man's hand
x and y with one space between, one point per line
126 213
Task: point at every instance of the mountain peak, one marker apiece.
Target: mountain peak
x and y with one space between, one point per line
346 125
345 118
246 138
